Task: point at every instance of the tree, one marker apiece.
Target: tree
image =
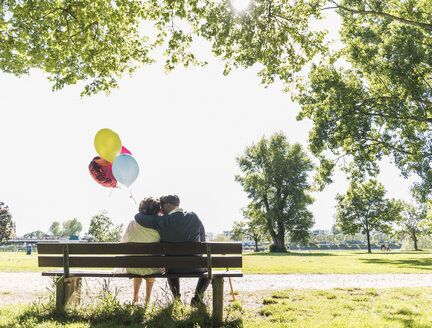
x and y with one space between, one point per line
380 103
252 227
54 229
349 238
71 228
371 99
238 230
249 230
319 238
359 237
330 238
376 238
340 237
98 41
7 226
414 222
38 234
364 209
102 229
275 178
335 229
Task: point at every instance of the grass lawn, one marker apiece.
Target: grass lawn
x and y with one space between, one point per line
295 262
339 262
18 261
351 307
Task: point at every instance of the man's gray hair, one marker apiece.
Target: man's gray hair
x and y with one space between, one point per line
170 199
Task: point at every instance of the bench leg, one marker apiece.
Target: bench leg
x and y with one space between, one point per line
68 292
218 302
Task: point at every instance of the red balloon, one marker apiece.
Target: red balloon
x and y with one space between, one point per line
100 170
125 151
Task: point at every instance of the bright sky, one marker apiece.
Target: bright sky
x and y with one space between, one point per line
185 130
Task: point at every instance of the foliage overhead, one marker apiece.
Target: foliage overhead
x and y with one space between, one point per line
364 209
98 41
369 100
380 102
7 226
275 178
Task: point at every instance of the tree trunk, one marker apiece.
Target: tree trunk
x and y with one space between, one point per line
279 241
279 244
414 237
368 241
256 245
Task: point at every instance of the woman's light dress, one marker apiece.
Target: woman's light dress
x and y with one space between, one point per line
136 233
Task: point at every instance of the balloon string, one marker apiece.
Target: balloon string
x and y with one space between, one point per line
111 193
131 196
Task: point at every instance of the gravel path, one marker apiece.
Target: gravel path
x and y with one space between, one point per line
26 287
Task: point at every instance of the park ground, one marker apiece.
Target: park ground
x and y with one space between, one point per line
318 262
279 297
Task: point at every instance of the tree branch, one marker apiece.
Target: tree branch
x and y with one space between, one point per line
389 16
388 145
409 117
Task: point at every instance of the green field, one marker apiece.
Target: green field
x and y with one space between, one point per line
295 262
338 308
18 261
351 307
339 262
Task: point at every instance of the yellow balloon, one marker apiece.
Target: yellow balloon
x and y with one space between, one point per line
107 144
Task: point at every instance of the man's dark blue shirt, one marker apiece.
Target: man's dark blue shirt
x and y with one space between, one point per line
179 226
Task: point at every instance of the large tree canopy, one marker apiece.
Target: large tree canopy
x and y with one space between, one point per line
275 177
381 103
377 103
97 41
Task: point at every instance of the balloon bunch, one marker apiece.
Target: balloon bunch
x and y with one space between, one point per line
114 163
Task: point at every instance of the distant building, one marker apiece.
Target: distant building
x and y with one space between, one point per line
228 234
210 236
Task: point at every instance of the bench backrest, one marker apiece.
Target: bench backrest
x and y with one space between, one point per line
139 255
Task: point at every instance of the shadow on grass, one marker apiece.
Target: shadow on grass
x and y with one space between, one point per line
406 318
302 254
416 263
110 313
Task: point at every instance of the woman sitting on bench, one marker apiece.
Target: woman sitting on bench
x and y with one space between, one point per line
138 234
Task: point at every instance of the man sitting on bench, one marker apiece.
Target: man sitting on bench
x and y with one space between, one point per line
177 225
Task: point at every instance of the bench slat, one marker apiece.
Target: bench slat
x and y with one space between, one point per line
141 261
139 248
112 274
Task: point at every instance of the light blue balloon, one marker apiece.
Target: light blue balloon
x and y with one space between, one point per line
125 169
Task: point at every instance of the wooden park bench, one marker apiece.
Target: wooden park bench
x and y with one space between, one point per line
70 256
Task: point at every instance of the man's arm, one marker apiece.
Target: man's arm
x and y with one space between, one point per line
147 221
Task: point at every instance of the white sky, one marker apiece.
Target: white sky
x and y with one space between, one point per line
184 129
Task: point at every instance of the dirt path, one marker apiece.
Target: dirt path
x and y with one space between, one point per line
26 287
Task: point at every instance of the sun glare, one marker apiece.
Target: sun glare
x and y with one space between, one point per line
240 5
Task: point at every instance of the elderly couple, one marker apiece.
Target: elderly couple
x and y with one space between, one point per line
163 221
